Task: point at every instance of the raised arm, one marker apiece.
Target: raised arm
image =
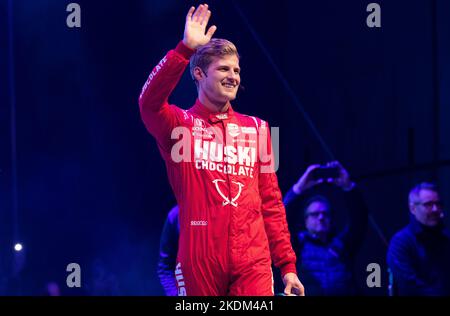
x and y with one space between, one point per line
358 213
159 117
305 182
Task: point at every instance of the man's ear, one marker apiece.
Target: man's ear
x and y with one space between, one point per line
412 208
198 74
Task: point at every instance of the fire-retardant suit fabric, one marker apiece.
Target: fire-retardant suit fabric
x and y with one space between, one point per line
232 219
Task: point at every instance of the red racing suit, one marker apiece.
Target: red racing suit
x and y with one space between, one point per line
232 219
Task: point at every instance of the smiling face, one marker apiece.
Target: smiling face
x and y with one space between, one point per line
218 84
215 70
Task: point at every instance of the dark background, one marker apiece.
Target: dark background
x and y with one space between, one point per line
84 181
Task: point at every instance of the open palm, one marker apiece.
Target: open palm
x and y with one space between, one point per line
195 33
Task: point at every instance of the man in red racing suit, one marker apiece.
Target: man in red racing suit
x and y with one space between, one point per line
232 219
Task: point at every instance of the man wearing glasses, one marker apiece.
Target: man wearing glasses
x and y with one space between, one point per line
324 255
419 254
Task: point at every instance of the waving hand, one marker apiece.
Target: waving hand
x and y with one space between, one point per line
195 28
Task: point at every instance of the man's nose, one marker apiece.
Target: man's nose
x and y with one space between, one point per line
233 75
435 207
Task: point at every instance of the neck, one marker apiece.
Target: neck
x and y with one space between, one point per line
322 236
213 106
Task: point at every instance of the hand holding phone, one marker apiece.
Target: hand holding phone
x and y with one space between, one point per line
325 173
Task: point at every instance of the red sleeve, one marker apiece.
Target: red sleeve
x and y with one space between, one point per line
274 214
159 117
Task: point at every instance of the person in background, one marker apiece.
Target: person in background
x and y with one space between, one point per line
419 254
326 257
168 249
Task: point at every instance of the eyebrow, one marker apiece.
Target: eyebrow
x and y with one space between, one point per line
227 66
315 212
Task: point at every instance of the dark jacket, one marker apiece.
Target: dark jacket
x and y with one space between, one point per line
168 253
327 268
419 258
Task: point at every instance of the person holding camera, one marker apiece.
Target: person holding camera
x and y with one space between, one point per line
324 256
